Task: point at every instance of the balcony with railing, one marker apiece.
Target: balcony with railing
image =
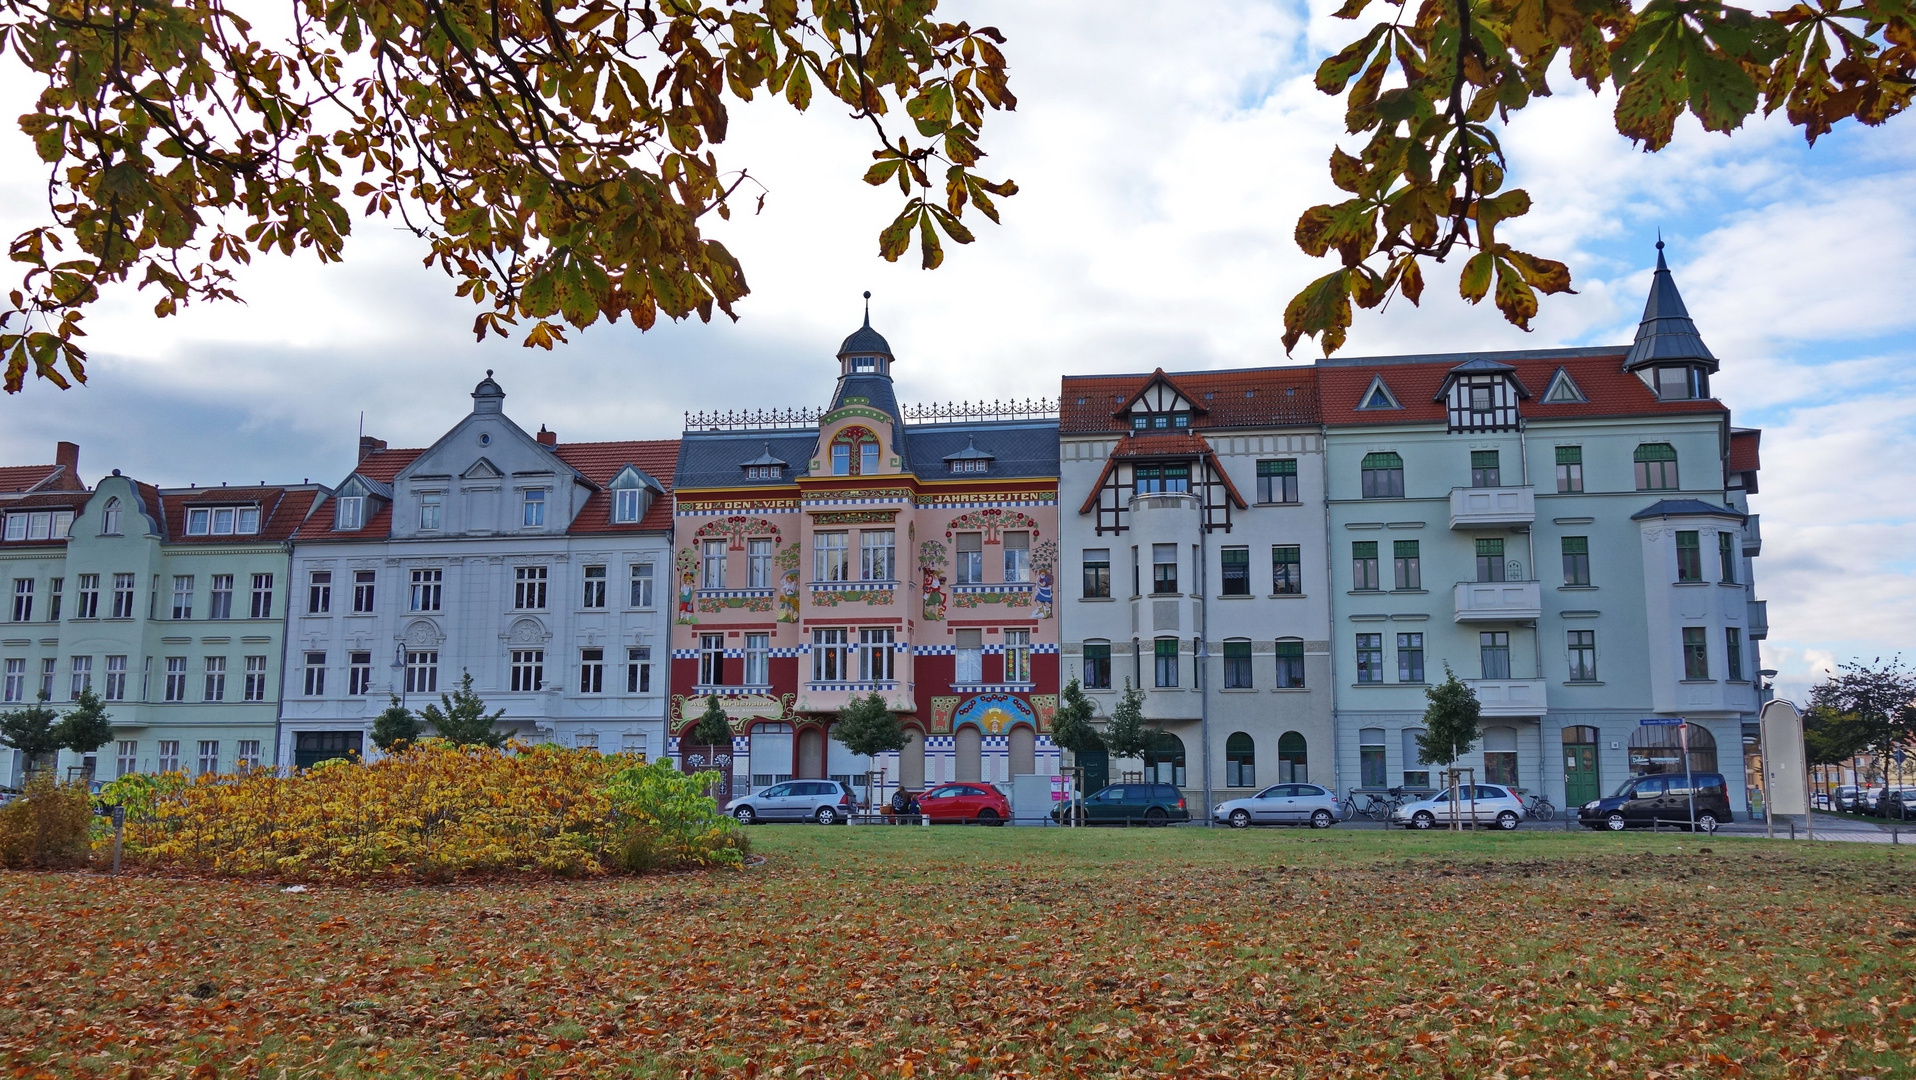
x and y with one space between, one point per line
1759 616
1498 601
1503 698
1492 507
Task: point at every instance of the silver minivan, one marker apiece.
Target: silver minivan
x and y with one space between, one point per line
827 802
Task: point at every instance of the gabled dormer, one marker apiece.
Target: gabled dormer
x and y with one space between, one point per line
357 501
766 466
1378 396
633 491
970 461
1563 390
1669 355
1482 395
1159 405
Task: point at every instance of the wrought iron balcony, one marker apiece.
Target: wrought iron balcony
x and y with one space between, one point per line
1498 601
1492 507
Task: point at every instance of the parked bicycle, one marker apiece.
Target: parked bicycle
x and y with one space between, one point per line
1372 805
1538 808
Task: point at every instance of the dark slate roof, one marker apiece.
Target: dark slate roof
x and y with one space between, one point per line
767 458
718 459
1684 508
969 453
865 340
1018 448
875 389
1666 333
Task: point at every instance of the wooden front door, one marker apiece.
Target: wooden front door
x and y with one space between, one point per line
716 759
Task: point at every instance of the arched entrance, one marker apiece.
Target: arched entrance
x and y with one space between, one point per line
697 757
1581 783
1164 762
1660 750
911 761
1023 749
968 747
811 754
1293 758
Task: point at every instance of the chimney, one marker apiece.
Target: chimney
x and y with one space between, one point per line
547 438
370 445
67 454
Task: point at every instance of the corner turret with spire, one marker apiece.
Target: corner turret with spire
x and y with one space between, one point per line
1669 355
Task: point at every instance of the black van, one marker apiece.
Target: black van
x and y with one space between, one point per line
1663 799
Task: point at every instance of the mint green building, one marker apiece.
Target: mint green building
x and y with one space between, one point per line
169 603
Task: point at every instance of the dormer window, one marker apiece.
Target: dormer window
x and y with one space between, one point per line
1677 382
1161 421
110 518
350 513
625 506
864 365
969 460
632 495
222 520
970 465
854 452
762 472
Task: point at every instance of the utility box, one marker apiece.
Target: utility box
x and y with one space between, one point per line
1031 800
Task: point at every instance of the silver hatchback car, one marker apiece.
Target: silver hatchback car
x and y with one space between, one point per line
1494 805
827 802
1280 804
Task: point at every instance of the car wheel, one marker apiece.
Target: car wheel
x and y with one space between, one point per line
1706 822
1423 819
826 816
745 815
988 816
1507 820
1156 817
1322 819
1240 819
1615 822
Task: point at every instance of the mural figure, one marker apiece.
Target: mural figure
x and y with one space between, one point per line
787 560
687 566
1045 561
1044 594
931 565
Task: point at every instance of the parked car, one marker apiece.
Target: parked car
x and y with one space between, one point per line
1866 800
1493 805
1122 804
1844 798
827 802
964 802
1900 803
1281 804
1664 798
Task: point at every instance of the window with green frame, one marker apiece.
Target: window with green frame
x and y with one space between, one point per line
1277 481
1656 467
1383 476
1696 652
1484 469
1237 664
1165 651
1364 564
1569 469
1726 556
1290 664
1689 557
1576 560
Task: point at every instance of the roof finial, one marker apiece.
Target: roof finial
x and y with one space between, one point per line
488 373
868 308
1661 265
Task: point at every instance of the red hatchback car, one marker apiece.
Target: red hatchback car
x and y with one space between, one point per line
963 803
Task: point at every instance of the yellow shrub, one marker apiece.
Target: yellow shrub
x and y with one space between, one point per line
46 827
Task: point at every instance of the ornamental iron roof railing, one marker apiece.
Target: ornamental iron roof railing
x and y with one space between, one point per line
1044 408
798 418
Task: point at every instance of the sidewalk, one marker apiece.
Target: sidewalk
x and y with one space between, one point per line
1838 827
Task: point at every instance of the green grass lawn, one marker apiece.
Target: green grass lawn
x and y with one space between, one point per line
985 952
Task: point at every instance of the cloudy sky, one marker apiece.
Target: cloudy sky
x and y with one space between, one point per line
1164 152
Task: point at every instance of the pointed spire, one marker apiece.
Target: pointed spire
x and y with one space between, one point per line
1666 334
868 309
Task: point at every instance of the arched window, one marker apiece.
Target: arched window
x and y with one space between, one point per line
110 518
1240 760
1656 467
1164 761
1383 476
854 452
1660 750
1500 755
1370 758
1292 757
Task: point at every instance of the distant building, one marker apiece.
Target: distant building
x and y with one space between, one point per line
861 549
535 566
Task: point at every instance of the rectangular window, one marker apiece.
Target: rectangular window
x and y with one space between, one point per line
82 677
219 602
249 520
528 670
758 659
1017 556
47 671
831 656
1164 568
255 689
1097 665
54 587
1696 652
1656 467
1277 481
198 521
262 596
591 671
1569 469
1413 776
1364 564
638 669
831 556
1383 476
422 671
15 686
594 588
1493 649
169 755
122 596
1290 664
1370 758
88 605
1583 655
535 514
183 596
875 655
1406 563
1689 557
359 674
1576 560
969 657
1484 469
127 757
758 564
712 564
1017 656
875 555
1733 652
711 659
1410 658
176 678
1287 578
1097 572
17 526
430 508
642 585
315 674
115 678
427 584
625 506
319 592
1166 653
1237 665
209 756
351 513
1490 560
363 592
1726 556
1236 565
529 588
971 558
248 756
216 677
1370 658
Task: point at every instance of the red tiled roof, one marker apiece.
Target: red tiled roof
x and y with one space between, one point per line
1607 388
282 510
383 465
16 478
1247 397
380 465
44 500
1743 450
1160 444
600 462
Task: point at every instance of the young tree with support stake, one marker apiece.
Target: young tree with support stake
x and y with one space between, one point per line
1127 735
1451 727
867 727
1071 730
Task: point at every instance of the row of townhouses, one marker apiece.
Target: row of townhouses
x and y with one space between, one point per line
1281 559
